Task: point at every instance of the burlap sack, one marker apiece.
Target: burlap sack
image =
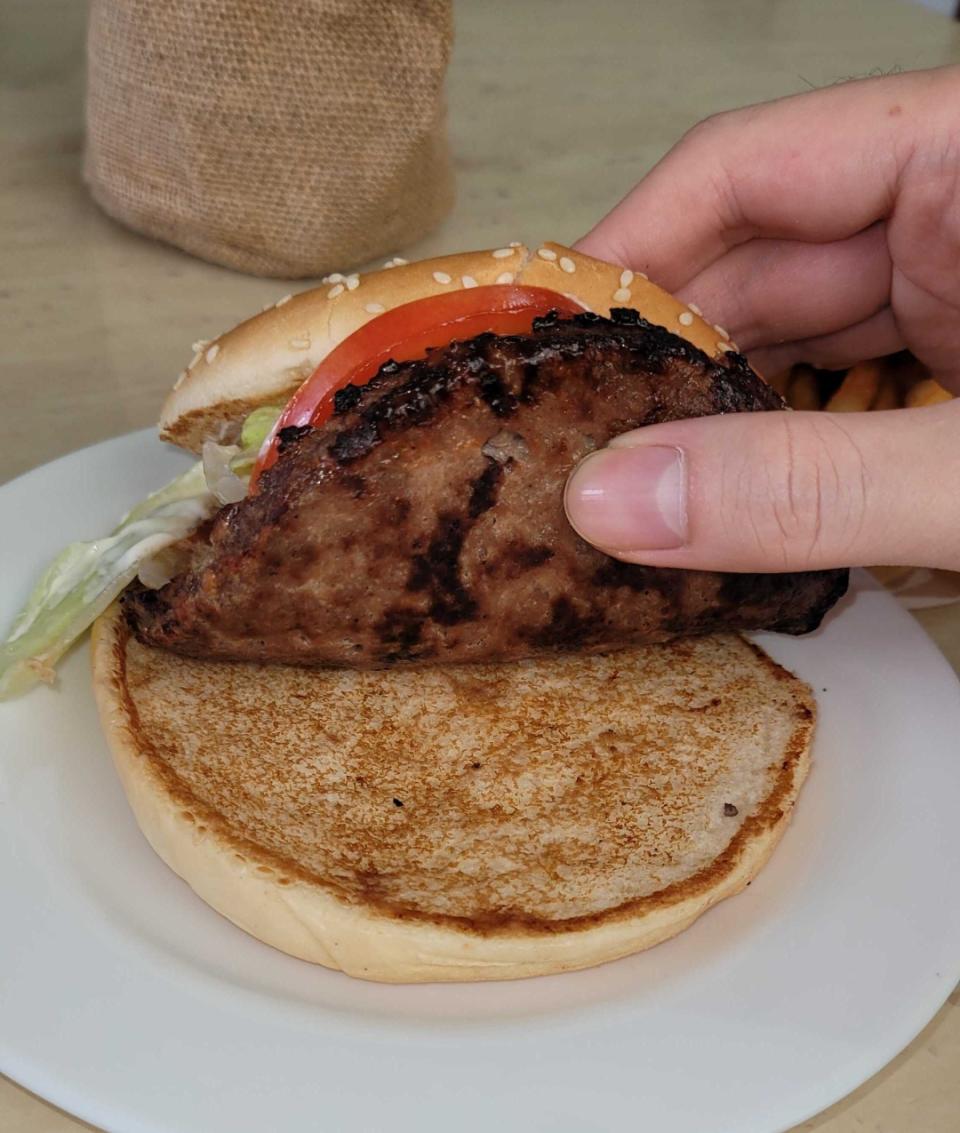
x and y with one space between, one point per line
280 137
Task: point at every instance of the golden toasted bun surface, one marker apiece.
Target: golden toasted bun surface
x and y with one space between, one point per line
265 359
461 823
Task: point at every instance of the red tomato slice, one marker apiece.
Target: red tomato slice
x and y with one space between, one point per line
404 334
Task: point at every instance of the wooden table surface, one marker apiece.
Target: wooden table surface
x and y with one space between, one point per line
556 108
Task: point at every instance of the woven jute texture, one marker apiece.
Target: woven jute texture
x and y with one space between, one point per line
279 137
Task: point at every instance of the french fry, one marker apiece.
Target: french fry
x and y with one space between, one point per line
888 396
890 576
927 392
802 392
857 390
780 381
909 371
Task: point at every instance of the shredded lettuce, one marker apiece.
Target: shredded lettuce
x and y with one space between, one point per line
256 427
86 577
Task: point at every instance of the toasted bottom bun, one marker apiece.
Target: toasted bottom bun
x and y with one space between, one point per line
481 822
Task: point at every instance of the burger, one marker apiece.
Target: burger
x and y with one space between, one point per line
368 692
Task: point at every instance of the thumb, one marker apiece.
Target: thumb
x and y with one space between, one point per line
777 491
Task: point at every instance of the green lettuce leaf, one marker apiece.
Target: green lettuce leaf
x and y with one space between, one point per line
256 427
85 578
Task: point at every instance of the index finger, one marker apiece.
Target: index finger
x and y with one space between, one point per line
818 167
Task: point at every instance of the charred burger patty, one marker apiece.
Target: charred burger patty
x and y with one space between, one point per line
424 522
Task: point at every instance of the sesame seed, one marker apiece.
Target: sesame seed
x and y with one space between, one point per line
442 277
399 261
626 277
567 265
502 253
719 329
301 343
643 275
546 253
352 282
333 277
622 294
515 244
375 308
468 281
200 345
685 319
696 310
505 277
212 353
725 347
337 289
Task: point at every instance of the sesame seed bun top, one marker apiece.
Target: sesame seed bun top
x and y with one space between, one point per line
266 358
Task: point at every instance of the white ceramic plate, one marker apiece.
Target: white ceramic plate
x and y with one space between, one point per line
128 1002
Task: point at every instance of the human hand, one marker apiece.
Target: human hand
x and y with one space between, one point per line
822 228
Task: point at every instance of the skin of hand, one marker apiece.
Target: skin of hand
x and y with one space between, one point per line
823 228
